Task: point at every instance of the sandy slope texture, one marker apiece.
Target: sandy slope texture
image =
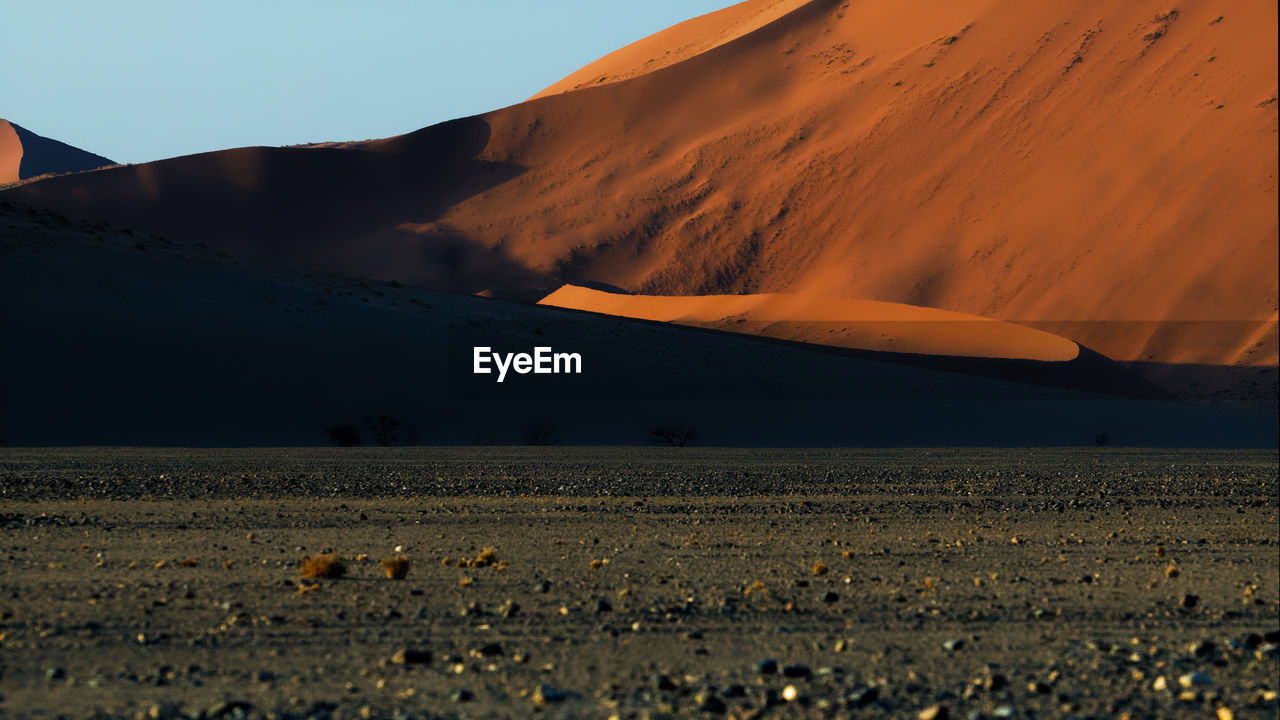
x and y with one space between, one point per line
1105 167
863 324
675 44
10 153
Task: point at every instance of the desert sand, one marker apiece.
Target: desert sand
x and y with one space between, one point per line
993 244
639 582
1104 171
10 153
675 44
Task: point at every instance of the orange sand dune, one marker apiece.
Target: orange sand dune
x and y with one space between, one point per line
861 324
1104 166
10 153
675 44
23 155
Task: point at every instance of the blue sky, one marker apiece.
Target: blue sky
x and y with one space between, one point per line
147 79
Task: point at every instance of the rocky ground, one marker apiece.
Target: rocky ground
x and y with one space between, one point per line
640 582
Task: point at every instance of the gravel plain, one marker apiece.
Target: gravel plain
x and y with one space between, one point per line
566 582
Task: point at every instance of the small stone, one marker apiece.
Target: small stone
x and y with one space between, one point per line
1226 714
411 656
1160 684
953 644
995 681
1189 601
603 606
542 586
863 696
830 597
510 608
164 711
664 683
546 695
230 709
790 693
796 671
934 712
708 702
462 695
1202 648
1194 679
55 673
490 650
767 667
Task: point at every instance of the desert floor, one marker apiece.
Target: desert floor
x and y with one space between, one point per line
640 582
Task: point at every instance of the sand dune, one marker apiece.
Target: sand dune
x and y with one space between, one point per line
675 44
116 337
10 153
1102 170
839 322
24 155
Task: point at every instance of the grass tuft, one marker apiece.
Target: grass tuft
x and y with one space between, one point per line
323 566
396 567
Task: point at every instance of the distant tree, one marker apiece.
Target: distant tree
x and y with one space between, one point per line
343 435
675 437
382 428
539 433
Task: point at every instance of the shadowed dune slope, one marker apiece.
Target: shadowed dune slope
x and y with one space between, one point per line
860 324
24 155
117 337
1103 170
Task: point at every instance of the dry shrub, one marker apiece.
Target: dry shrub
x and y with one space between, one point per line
487 557
396 567
323 566
819 568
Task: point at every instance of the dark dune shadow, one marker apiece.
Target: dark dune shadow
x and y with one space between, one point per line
1089 372
1229 386
41 155
1245 382
355 210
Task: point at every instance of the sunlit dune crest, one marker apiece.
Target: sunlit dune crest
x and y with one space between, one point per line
841 322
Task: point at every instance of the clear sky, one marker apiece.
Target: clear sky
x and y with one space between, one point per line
141 80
